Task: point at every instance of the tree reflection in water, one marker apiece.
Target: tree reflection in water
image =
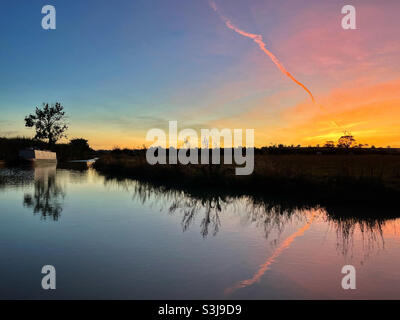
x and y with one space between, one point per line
48 195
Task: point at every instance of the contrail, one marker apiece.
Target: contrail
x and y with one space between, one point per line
258 39
285 244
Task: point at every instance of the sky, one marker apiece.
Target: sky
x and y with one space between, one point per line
122 67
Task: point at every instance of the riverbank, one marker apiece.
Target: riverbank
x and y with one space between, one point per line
10 147
333 177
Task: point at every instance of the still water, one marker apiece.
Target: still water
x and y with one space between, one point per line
124 239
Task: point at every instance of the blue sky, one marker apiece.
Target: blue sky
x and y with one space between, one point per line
107 61
123 67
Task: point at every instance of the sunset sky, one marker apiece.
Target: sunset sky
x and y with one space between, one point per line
121 68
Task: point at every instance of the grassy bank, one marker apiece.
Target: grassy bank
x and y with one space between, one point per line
9 149
333 177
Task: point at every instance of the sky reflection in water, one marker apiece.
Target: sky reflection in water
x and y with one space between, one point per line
113 238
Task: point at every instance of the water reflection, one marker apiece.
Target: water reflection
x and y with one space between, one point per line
269 214
210 204
15 177
359 229
277 252
249 245
369 228
262 242
48 194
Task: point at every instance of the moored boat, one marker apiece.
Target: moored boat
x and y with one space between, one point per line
35 155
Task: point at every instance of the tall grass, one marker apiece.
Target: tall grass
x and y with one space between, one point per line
336 176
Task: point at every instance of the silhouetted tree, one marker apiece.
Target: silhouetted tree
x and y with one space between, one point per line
80 144
346 141
49 122
329 144
361 145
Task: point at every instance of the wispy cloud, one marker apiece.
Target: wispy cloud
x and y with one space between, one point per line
259 41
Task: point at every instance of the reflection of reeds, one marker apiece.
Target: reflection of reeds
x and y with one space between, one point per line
351 224
15 177
269 214
193 202
348 228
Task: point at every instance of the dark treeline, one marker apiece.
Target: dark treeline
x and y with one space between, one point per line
278 149
75 149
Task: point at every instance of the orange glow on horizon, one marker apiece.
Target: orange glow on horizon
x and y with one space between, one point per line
353 75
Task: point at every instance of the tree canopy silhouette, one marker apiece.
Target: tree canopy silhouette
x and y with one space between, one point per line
329 144
346 141
80 144
49 122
